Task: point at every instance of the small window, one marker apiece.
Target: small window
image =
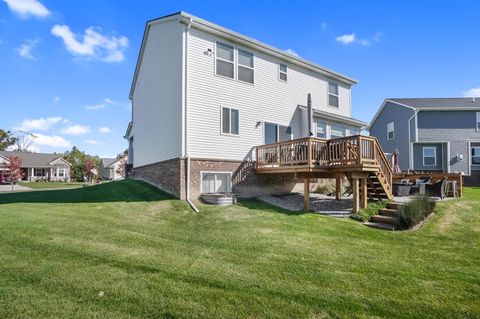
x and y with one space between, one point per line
475 155
216 182
245 66
275 133
337 131
332 94
354 131
230 121
61 172
282 72
478 121
321 129
224 60
390 131
429 156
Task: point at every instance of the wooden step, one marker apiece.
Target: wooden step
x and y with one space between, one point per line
380 225
394 205
384 220
388 212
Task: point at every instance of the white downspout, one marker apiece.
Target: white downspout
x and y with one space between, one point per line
187 186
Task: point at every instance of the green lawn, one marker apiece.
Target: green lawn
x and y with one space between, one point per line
50 185
153 258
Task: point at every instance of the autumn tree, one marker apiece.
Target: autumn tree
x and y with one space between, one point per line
14 169
6 139
121 166
90 168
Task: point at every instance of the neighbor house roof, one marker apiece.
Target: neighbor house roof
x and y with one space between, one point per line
220 31
461 103
35 160
106 162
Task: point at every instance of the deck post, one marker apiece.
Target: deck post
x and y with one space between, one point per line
306 194
338 186
356 197
363 193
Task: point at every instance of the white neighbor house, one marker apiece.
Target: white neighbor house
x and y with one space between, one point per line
204 96
109 168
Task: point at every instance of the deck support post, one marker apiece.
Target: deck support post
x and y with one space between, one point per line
338 186
363 193
306 194
356 197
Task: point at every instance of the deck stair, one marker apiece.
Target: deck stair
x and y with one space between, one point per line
387 218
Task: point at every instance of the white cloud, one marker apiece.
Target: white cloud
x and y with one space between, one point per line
107 100
93 142
104 130
25 50
95 106
56 99
51 140
291 51
27 8
346 38
40 124
323 25
93 45
76 130
473 92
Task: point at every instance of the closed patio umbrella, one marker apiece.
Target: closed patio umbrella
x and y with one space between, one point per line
309 115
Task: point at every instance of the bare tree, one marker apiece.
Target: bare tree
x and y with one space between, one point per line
25 141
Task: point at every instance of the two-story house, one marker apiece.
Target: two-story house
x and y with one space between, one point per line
432 134
204 96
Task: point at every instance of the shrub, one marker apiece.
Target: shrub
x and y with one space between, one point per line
415 211
372 209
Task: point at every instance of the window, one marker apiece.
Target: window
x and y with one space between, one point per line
476 155
61 172
282 72
478 121
321 129
245 66
275 133
390 131
39 172
224 60
337 131
216 182
230 121
332 94
429 156
354 131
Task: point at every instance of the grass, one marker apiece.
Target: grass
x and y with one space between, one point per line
153 258
50 185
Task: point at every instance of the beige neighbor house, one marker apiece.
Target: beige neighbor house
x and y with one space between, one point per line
40 166
205 99
109 168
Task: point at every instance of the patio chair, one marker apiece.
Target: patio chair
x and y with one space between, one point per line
437 189
420 185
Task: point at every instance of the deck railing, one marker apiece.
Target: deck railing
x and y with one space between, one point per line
313 152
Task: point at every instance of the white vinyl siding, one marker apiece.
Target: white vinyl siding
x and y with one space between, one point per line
215 182
333 97
390 131
282 72
230 121
429 156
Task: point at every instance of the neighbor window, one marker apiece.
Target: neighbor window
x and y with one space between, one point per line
337 131
224 60
61 172
429 156
39 172
390 131
245 66
230 121
476 155
215 182
282 72
275 133
478 121
321 129
332 94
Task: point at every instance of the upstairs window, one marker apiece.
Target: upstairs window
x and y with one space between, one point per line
282 72
245 66
321 129
230 121
332 94
224 60
275 133
478 121
429 156
337 131
390 131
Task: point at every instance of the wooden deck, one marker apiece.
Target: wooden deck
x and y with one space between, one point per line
359 158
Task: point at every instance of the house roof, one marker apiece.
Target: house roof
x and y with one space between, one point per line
35 160
336 117
447 104
106 162
196 22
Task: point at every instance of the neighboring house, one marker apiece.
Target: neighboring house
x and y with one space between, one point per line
431 134
109 168
203 97
41 167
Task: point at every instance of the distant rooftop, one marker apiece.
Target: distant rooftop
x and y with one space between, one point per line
441 103
38 160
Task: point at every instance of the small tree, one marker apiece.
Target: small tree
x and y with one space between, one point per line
121 166
6 139
14 169
89 168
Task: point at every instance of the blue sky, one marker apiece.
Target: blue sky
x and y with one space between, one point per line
66 66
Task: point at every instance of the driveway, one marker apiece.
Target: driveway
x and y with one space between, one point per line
8 188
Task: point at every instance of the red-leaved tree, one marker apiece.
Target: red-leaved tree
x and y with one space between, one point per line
121 166
90 168
14 169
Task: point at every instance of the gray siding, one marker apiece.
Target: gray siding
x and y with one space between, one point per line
418 157
399 115
456 127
